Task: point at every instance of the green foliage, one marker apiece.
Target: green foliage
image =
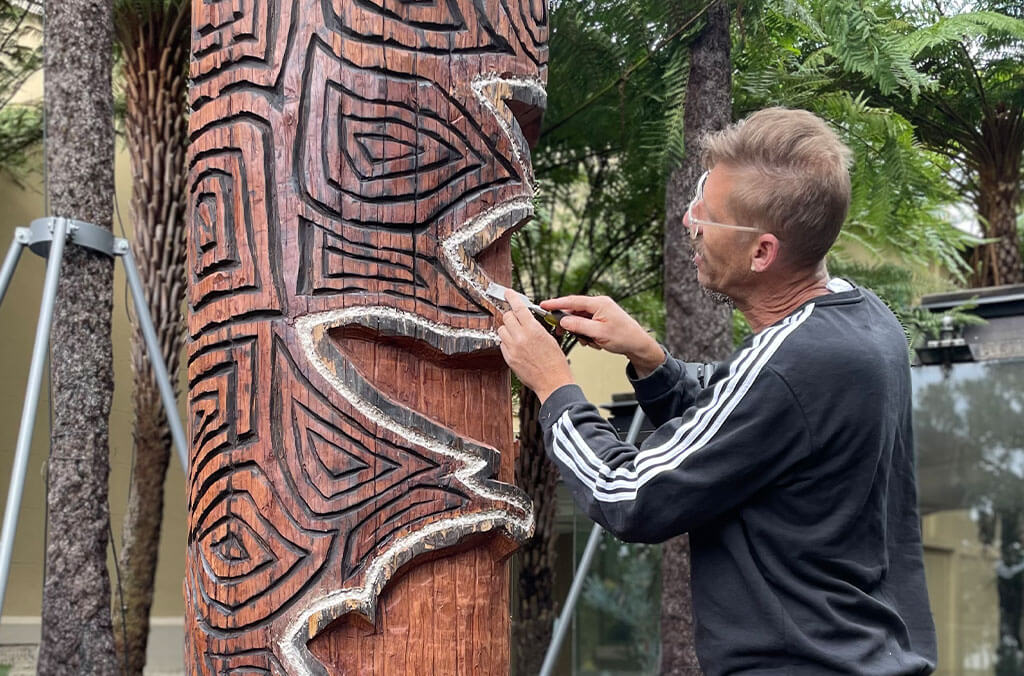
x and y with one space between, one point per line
598 224
951 70
20 57
648 308
827 38
976 61
663 136
956 29
921 324
800 55
741 328
21 132
857 42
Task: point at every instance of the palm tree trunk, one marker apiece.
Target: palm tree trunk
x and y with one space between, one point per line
76 627
538 476
999 197
155 41
696 326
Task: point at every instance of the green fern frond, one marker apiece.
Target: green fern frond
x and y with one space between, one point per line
861 43
963 26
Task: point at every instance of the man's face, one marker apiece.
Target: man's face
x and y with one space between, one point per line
720 252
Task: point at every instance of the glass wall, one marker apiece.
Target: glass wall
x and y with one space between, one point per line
969 427
615 629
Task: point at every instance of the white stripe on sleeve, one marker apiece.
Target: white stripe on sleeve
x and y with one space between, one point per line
622 483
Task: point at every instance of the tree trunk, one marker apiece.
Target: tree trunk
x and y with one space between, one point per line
538 476
355 168
697 327
76 626
155 42
999 197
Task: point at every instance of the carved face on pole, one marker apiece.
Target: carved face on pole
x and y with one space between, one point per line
354 165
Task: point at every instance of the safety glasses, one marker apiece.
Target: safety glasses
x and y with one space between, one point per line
695 224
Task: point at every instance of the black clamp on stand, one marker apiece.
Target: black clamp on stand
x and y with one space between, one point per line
47 238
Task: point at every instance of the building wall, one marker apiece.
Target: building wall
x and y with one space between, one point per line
600 374
962 591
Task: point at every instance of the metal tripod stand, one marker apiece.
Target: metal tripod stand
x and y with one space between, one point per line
47 237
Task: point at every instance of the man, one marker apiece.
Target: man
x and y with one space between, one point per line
793 469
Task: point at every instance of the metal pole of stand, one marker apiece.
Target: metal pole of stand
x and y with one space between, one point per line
11 261
123 249
562 623
28 412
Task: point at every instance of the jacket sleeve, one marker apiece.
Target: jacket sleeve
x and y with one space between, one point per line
740 435
666 392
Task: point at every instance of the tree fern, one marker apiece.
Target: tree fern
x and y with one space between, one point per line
21 128
959 27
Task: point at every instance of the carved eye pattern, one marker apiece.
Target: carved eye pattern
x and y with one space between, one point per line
233 581
409 145
233 550
403 154
393 149
251 557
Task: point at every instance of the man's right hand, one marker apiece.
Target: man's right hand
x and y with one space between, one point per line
609 327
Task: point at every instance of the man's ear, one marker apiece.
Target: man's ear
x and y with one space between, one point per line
765 252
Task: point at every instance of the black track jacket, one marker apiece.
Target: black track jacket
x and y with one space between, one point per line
793 473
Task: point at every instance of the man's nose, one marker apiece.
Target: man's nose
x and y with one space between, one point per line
691 228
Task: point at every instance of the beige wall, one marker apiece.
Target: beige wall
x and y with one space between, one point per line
18 315
962 590
599 373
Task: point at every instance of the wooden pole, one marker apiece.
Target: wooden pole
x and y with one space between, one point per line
355 168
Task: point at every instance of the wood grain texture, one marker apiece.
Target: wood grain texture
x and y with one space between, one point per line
354 171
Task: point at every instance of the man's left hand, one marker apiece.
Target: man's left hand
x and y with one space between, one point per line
530 351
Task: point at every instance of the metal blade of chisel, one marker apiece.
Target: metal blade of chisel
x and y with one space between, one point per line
552 317
495 290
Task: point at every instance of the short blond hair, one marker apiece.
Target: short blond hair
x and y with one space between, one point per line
794 179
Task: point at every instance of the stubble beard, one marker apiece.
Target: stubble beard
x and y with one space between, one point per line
716 297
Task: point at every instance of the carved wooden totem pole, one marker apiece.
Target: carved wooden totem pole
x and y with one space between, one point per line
355 167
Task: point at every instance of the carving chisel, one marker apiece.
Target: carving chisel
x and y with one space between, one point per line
550 317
